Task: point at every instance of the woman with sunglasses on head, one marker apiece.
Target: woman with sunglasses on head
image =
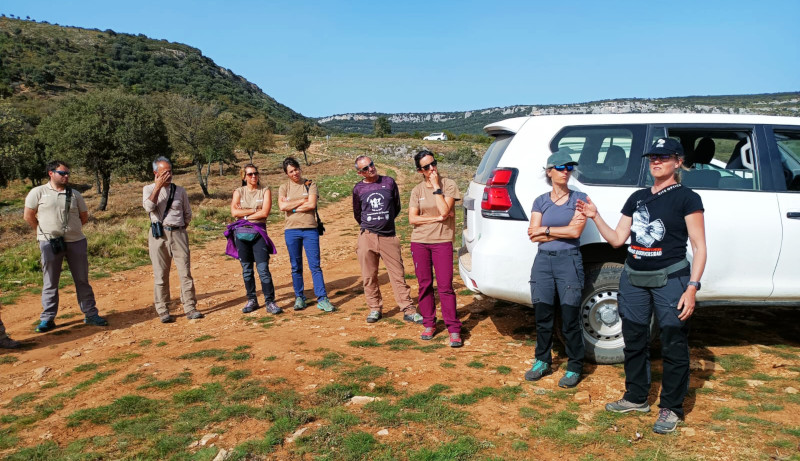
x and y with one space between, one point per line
431 214
556 226
251 203
657 279
297 198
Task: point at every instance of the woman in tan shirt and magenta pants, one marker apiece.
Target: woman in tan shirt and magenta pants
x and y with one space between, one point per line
431 214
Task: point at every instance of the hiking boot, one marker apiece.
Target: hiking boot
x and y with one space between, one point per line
8 343
570 379
194 314
624 406
413 318
374 316
166 318
455 340
45 326
252 304
324 304
538 371
667 421
299 304
428 333
95 320
273 308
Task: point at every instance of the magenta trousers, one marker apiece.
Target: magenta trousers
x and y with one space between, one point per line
430 257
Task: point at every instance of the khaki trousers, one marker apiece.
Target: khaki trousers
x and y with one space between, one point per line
173 246
372 248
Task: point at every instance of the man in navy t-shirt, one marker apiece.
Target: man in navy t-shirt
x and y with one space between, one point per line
376 204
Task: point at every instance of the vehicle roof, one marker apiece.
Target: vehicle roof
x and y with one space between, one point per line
513 125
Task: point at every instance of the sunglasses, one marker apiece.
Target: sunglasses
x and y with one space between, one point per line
61 172
252 174
367 168
428 166
659 157
564 167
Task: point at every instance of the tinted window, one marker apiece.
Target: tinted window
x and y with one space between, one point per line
789 147
491 158
605 154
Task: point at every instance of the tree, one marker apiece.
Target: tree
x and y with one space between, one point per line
218 138
382 127
32 159
257 137
186 121
106 132
12 128
298 138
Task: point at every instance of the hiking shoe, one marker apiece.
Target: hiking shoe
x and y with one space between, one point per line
667 421
427 333
95 320
623 406
570 379
324 304
8 343
166 318
252 304
45 326
374 316
194 314
299 303
538 371
413 318
455 340
273 308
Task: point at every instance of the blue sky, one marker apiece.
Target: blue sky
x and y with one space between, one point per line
330 57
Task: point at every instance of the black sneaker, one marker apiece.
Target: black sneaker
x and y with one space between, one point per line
8 343
252 304
538 371
194 314
166 318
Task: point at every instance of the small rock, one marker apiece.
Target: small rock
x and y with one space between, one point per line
39 373
382 432
208 438
540 391
311 386
708 385
300 368
754 382
688 431
222 455
361 400
581 429
790 390
194 444
404 383
582 396
71 354
371 386
342 334
46 436
297 434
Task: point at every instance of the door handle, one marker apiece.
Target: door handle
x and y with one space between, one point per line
793 215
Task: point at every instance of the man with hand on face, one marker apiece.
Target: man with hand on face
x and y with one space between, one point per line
168 207
57 213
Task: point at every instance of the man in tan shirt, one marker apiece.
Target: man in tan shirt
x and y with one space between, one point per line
57 213
173 244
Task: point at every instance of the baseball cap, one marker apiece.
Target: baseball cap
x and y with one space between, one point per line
665 146
560 157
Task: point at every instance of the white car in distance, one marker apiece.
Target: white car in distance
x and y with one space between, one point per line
435 137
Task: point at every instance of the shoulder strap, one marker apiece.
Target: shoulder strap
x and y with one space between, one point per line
658 194
67 203
169 200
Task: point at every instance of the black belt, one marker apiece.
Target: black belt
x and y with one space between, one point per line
570 251
174 228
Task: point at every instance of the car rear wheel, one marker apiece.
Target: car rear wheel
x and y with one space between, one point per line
600 321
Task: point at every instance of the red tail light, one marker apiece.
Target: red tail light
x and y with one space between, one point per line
499 178
496 197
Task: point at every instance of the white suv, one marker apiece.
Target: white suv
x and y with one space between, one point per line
435 137
745 167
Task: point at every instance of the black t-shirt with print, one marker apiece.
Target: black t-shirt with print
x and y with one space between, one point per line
658 230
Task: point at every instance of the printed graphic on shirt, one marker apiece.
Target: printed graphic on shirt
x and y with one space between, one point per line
647 233
378 211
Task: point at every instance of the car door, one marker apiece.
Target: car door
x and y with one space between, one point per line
742 216
784 145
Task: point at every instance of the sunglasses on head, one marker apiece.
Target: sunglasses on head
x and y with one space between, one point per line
366 168
428 166
564 167
659 157
252 174
61 172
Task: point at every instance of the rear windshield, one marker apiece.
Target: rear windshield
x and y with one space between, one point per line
491 158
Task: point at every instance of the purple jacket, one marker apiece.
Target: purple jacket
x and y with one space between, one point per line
230 232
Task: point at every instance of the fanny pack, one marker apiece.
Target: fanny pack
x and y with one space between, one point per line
246 233
653 279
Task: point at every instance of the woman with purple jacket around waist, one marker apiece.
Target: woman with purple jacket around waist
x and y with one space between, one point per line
251 204
558 269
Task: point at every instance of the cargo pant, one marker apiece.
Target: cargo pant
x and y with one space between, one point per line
173 246
77 257
558 272
371 249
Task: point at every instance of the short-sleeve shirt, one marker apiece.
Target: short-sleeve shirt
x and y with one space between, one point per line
252 199
180 212
557 216
50 205
658 229
301 219
423 198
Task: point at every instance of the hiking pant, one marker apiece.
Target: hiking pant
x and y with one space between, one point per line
77 257
429 257
371 249
256 253
174 246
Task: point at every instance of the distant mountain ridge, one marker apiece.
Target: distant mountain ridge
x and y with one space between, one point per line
473 121
39 60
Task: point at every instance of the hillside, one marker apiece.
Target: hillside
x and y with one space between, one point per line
473 121
40 60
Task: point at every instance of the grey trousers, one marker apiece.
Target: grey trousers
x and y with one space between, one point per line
173 246
78 262
2 330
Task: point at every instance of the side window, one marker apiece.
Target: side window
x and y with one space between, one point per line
789 147
606 155
491 158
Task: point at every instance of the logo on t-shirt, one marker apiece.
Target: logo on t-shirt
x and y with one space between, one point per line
647 233
377 204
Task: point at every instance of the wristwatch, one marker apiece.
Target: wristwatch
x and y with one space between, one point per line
696 285
547 233
438 192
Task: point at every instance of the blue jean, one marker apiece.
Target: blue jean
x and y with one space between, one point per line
296 241
256 252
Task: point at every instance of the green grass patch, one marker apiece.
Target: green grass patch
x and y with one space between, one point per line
145 342
238 375
369 342
338 393
182 379
329 360
217 370
737 362
132 378
85 367
125 357
270 358
395 322
505 394
400 344
430 348
463 448
5 359
207 392
22 399
365 373
503 370
447 365
129 405
736 381
476 364
202 338
161 344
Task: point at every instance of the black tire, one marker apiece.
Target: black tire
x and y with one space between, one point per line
600 322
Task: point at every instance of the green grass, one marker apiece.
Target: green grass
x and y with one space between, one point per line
6 359
430 348
447 365
504 394
132 378
125 357
463 448
237 375
128 405
503 370
365 373
737 362
145 342
370 342
330 360
182 379
21 399
161 344
85 367
217 370
202 338
400 344
476 364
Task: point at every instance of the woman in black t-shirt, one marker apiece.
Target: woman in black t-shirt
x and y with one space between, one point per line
657 280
